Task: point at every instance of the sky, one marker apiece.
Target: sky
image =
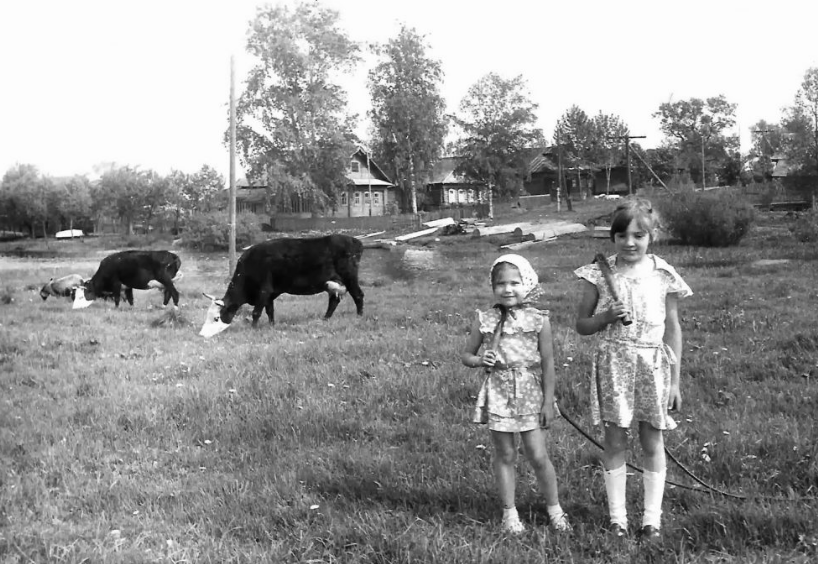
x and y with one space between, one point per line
147 83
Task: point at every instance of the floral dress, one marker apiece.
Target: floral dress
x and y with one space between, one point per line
510 399
632 365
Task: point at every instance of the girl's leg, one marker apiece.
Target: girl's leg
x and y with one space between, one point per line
505 454
653 479
613 458
537 455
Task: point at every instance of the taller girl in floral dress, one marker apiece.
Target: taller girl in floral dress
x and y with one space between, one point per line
635 374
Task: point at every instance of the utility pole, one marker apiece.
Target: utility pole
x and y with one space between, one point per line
627 138
232 202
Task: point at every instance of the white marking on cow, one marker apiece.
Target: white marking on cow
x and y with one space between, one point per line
335 288
213 324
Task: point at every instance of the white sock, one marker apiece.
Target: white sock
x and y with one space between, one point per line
654 484
554 512
510 513
615 482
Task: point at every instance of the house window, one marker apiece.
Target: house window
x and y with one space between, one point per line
376 198
357 199
344 199
366 197
452 195
355 166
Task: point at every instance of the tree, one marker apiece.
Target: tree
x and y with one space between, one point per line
291 113
574 135
73 201
126 190
408 111
608 133
699 127
801 124
25 195
497 121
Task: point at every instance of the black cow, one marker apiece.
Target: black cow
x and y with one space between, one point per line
302 267
128 270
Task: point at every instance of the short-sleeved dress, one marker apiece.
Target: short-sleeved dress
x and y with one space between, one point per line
631 369
513 396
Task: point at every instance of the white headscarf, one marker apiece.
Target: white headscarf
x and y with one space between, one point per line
527 274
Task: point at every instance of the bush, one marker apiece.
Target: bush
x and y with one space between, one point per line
707 220
211 231
806 227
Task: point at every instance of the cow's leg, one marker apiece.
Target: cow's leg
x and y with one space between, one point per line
270 308
170 290
334 300
355 293
129 295
257 313
116 286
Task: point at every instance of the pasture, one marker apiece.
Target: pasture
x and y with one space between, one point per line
348 440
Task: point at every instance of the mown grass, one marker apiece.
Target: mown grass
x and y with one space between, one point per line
348 440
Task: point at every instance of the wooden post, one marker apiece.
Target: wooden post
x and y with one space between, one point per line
232 201
628 160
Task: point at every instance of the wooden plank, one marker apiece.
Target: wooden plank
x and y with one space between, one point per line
370 235
440 222
416 234
500 229
524 244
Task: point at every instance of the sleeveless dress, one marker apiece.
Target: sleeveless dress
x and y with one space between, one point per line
631 365
510 399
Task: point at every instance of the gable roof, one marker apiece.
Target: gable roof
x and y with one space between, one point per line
443 172
378 175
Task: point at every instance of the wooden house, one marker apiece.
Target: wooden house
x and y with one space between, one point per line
447 189
369 191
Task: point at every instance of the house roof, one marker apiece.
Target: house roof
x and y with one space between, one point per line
542 162
374 169
781 167
367 182
443 172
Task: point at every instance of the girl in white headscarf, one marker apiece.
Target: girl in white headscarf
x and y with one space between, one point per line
517 395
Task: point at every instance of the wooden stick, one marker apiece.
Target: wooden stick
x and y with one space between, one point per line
607 274
498 333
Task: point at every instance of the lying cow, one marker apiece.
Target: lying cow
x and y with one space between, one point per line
301 267
126 271
62 287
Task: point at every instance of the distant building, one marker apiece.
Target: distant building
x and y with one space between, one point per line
447 189
368 192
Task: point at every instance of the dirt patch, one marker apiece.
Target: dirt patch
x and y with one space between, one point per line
770 262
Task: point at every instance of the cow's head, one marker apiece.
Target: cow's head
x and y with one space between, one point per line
46 290
84 295
217 318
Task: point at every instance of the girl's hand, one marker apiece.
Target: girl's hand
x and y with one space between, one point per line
546 414
674 401
490 360
616 312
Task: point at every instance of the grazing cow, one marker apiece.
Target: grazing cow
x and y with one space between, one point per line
63 287
128 270
301 267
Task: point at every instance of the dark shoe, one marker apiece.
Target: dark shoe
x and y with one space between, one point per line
617 530
649 533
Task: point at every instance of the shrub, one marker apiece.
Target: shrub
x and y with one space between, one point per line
707 220
805 228
211 231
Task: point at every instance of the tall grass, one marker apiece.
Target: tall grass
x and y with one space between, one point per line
123 440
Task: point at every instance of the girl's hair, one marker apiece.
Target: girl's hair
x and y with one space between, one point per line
639 209
495 270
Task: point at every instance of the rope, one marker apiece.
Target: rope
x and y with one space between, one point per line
706 488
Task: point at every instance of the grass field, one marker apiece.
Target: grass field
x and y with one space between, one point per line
348 440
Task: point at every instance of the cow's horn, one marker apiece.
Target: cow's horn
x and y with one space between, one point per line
209 297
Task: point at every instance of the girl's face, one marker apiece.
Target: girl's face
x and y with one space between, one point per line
508 287
632 244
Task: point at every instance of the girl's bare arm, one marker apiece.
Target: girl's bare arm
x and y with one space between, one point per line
469 357
587 322
546 345
673 338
